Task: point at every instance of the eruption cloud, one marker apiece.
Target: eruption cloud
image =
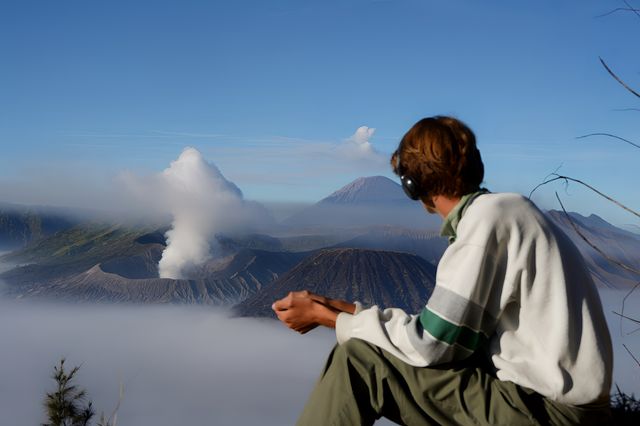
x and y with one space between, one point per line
360 139
358 149
202 202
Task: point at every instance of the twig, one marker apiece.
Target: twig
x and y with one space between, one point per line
586 240
624 300
634 358
113 418
618 9
634 331
633 9
618 78
626 109
610 259
546 180
610 136
114 415
626 317
567 178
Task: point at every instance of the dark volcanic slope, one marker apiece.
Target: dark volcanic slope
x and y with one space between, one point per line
243 275
387 279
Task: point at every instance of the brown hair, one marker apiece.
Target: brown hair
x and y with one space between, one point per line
440 155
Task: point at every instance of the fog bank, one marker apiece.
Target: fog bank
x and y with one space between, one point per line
179 365
626 372
188 364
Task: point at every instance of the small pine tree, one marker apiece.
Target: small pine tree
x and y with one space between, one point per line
66 406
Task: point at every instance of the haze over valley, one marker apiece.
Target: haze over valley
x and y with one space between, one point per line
62 273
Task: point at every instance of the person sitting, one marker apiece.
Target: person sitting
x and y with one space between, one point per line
513 333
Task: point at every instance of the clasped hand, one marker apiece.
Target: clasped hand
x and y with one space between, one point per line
303 311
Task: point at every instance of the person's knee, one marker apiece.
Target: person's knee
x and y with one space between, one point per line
353 346
356 350
349 357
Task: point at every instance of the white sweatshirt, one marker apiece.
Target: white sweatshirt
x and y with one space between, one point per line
514 286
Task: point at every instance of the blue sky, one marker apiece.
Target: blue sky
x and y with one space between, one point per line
270 90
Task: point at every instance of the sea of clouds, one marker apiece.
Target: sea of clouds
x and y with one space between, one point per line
179 365
626 369
190 365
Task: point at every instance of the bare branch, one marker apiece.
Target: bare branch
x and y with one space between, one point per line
618 78
624 301
610 259
596 248
634 10
634 358
618 9
610 136
567 178
546 180
626 109
113 418
603 254
626 317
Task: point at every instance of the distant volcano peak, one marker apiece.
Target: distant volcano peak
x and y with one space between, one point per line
371 189
367 201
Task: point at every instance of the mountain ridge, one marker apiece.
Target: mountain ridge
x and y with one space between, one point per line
385 278
617 243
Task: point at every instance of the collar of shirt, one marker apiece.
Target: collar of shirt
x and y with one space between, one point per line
450 224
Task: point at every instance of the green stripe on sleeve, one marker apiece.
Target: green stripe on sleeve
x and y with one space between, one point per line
450 333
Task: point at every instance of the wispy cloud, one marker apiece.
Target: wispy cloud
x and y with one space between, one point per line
150 135
265 167
292 157
358 146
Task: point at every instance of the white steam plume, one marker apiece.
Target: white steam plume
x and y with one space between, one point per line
358 148
360 139
202 202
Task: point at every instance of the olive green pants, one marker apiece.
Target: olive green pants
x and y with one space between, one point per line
361 383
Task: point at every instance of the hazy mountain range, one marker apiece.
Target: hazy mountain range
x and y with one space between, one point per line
620 245
381 259
20 225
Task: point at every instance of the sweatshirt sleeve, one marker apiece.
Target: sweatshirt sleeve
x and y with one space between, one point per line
455 322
